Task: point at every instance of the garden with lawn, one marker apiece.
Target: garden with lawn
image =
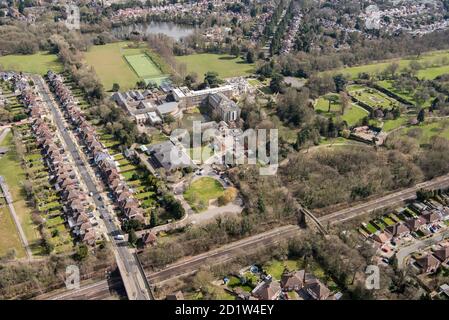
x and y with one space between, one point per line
202 191
372 97
225 65
390 125
45 197
353 114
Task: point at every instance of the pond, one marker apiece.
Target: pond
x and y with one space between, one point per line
173 30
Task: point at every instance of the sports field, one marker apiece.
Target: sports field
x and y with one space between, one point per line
38 63
145 68
118 63
225 65
110 65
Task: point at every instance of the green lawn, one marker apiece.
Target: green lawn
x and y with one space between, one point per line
338 140
370 228
203 190
225 65
9 237
432 73
110 65
428 73
14 175
35 63
390 125
352 115
428 130
276 267
143 66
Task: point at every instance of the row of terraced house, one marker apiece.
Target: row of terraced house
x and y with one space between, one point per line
62 177
128 204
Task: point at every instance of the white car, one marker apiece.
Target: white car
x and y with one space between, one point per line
119 237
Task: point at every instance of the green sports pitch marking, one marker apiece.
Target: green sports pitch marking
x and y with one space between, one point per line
145 68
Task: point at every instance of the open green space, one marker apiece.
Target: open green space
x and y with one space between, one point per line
203 190
14 176
425 131
122 63
225 65
390 125
110 65
430 72
38 63
9 236
352 115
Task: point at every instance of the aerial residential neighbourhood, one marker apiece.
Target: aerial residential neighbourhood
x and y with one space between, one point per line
248 150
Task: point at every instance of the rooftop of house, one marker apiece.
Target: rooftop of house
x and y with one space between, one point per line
169 156
428 261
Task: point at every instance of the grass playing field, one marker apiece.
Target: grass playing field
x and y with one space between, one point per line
430 58
38 63
225 65
118 63
110 65
352 115
143 66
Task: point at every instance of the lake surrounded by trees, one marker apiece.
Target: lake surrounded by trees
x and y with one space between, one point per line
173 30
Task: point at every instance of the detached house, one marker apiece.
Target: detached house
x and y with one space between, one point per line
442 254
428 263
317 290
267 290
293 281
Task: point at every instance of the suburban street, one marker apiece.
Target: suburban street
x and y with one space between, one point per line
405 252
125 259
